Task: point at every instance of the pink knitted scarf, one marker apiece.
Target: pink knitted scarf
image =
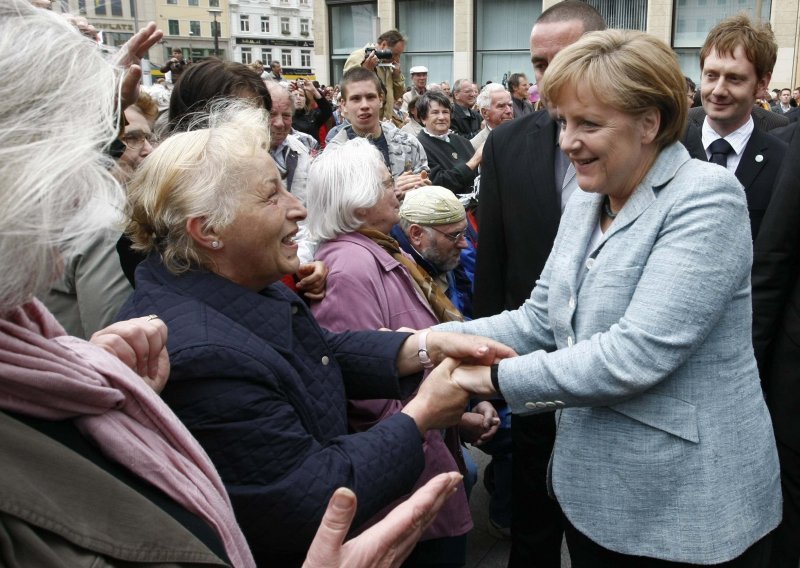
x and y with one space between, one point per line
47 374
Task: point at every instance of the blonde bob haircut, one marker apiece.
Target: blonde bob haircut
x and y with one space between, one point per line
630 71
198 173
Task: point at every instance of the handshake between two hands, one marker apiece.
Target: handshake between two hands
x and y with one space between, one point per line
462 372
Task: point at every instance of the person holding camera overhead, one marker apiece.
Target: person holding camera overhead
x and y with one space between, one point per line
383 58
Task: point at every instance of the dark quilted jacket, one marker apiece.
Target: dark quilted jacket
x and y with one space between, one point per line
264 390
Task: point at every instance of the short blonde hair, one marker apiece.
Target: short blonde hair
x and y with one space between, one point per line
630 71
199 173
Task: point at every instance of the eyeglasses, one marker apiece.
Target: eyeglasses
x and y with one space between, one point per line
135 140
454 237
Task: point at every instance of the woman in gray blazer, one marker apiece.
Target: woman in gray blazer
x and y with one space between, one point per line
638 332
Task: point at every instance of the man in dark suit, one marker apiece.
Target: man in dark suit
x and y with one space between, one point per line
465 121
776 339
523 191
731 81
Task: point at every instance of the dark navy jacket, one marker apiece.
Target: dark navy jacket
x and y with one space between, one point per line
264 390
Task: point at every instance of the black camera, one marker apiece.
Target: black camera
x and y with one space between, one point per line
383 54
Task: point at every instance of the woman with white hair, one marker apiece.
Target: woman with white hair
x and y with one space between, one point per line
254 377
353 206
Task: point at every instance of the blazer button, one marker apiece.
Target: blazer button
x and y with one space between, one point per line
570 341
558 403
550 404
571 302
325 360
530 406
589 263
541 405
294 310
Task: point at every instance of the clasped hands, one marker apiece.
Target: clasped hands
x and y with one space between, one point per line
462 371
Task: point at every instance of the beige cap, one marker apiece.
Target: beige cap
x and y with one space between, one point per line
432 205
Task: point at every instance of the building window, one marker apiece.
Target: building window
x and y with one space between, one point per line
99 7
631 15
213 3
174 27
194 28
286 57
304 27
304 2
352 27
244 23
194 2
305 59
116 8
172 2
247 55
82 7
264 24
284 1
693 21
266 57
430 35
285 26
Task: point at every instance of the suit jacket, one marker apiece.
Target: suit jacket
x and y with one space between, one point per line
776 301
764 120
519 211
757 171
664 439
465 122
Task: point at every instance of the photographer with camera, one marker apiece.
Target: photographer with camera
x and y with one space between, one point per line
384 59
311 108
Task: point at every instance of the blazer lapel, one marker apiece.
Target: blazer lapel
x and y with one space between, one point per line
540 149
753 160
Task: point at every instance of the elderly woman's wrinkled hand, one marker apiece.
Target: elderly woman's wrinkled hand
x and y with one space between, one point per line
141 344
439 402
408 181
470 349
313 277
386 544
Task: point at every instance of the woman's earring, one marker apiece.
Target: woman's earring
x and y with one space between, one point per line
215 244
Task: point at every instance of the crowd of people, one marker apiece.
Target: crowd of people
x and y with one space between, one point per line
254 321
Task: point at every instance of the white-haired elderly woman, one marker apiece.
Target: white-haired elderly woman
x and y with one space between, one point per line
639 329
353 206
96 469
254 377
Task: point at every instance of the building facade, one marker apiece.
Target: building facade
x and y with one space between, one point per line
273 30
487 40
189 26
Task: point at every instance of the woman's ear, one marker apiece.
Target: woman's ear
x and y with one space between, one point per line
204 236
650 121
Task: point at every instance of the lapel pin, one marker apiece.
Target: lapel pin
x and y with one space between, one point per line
759 158
455 156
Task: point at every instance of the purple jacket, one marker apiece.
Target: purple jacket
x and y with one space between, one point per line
368 289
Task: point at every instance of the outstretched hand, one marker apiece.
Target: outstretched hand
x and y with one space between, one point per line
386 544
130 57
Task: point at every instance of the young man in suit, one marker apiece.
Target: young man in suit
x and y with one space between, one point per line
736 61
523 191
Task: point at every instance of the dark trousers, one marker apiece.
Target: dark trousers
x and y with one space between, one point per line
585 553
786 538
536 528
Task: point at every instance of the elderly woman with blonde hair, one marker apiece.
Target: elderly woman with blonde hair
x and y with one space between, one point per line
254 377
639 329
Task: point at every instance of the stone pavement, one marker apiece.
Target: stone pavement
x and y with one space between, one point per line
483 550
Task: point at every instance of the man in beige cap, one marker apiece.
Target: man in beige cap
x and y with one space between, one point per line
419 84
434 229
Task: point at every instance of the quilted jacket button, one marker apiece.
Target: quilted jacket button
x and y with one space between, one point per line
325 360
294 310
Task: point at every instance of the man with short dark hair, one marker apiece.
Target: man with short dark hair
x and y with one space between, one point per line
386 69
176 65
736 63
525 184
275 72
518 86
465 121
402 153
